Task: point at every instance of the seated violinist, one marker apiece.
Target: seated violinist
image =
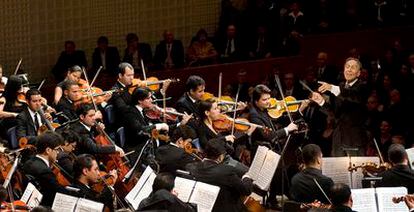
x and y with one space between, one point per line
86 128
39 166
163 197
66 157
71 95
74 74
86 173
195 86
172 156
30 119
341 198
303 188
400 174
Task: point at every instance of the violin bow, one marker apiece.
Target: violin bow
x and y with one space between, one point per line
279 86
143 70
235 111
18 66
306 86
379 152
219 88
41 84
88 91
323 192
96 76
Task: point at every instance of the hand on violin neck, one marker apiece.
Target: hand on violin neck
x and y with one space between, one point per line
291 127
114 174
107 96
230 138
250 131
162 126
186 118
409 201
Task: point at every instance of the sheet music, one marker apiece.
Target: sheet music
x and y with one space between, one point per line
364 200
142 189
337 169
31 196
85 205
184 187
268 170
358 175
257 163
204 195
410 153
385 196
64 202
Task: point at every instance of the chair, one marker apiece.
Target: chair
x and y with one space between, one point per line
109 114
120 135
11 134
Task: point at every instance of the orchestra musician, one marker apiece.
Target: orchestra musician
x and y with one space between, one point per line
39 166
303 188
341 198
195 86
172 156
74 74
349 108
163 196
400 174
71 94
86 173
85 127
30 120
212 171
66 157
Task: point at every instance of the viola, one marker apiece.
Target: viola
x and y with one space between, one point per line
277 108
224 123
104 180
151 83
371 167
6 164
61 179
156 113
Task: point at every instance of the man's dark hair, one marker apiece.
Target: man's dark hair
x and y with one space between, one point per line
49 139
103 39
70 136
139 94
214 148
83 109
68 84
340 194
397 153
164 180
31 93
131 37
122 66
204 106
258 91
183 131
193 82
81 162
310 153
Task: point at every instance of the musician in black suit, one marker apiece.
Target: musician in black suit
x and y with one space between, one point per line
195 86
341 198
349 108
169 53
122 99
30 120
86 127
400 174
105 56
71 94
86 173
67 59
38 166
66 157
163 197
303 188
136 51
212 171
172 156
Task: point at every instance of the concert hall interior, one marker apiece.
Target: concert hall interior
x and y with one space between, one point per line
207 105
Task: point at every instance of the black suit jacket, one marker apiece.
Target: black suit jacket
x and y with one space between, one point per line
87 143
67 109
66 61
328 74
232 188
136 128
44 176
170 158
260 135
177 54
163 200
104 197
25 125
112 59
144 52
238 54
398 175
184 104
304 189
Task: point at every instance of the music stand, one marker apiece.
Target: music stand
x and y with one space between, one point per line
348 152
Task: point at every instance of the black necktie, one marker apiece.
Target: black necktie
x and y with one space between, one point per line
36 121
228 50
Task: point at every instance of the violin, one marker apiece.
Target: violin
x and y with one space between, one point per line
225 103
16 206
277 108
224 123
371 167
61 179
253 205
156 113
188 148
151 83
104 180
315 205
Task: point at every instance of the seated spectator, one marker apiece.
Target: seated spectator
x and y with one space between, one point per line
67 59
261 46
201 51
105 56
136 51
230 47
169 52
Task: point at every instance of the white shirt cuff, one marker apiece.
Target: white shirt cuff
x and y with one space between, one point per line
335 90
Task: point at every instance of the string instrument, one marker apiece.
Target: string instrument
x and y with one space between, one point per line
224 123
225 103
253 205
47 125
96 93
277 108
6 164
16 206
315 205
399 199
104 180
60 177
196 153
151 83
156 113
371 167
